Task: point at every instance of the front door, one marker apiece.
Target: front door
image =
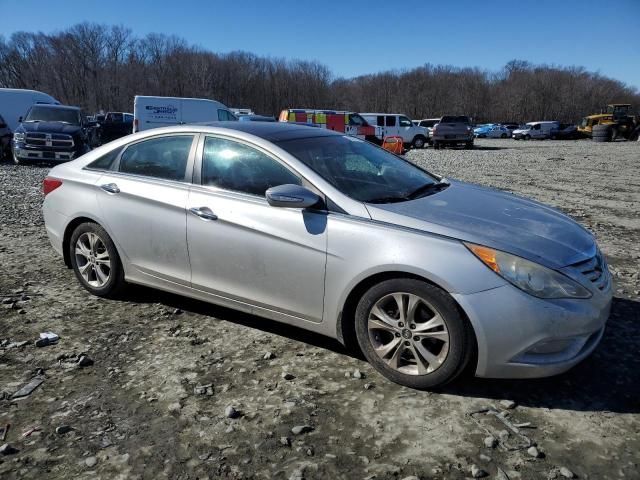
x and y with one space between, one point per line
243 249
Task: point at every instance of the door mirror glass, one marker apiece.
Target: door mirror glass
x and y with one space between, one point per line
19 119
292 196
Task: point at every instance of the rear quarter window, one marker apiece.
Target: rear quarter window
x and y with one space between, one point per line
106 161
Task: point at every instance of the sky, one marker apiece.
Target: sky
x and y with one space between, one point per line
359 37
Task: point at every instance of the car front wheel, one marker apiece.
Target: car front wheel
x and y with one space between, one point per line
413 333
95 260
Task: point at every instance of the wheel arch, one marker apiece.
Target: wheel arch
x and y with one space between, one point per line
72 225
345 328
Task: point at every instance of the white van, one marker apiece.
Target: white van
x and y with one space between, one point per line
539 130
397 125
15 103
154 112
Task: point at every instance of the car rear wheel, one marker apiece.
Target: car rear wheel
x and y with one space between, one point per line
95 260
419 141
413 333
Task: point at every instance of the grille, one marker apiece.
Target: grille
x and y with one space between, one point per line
595 270
49 140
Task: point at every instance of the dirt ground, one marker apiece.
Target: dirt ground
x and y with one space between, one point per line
161 371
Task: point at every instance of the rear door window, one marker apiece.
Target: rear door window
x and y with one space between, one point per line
162 157
390 121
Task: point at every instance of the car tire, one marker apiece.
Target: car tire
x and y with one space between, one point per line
441 352
504 135
436 145
468 146
527 137
601 133
419 141
95 260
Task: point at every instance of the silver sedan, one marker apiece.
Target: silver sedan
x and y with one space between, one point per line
332 234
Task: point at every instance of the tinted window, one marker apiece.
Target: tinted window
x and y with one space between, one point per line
405 122
355 119
128 118
105 161
224 115
163 157
380 120
114 117
390 121
359 169
454 119
234 166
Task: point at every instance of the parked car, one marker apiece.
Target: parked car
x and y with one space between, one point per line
536 130
397 125
5 139
326 232
453 130
427 123
481 131
15 103
50 132
115 125
350 123
565 131
241 111
511 126
498 131
256 118
154 112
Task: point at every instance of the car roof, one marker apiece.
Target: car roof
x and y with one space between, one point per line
274 131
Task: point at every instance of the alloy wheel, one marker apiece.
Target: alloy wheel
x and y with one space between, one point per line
92 259
408 333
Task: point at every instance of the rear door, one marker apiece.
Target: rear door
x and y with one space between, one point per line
143 204
245 251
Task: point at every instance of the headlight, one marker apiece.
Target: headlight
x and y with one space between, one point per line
536 280
19 136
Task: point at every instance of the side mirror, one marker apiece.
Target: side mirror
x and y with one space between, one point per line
291 196
19 119
3 125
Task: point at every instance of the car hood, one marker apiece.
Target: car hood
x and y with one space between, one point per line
521 130
496 219
49 127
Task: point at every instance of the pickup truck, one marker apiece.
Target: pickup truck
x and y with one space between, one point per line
115 125
453 130
50 133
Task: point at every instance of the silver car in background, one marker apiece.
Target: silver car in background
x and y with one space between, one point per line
335 235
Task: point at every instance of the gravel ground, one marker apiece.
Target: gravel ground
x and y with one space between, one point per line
158 386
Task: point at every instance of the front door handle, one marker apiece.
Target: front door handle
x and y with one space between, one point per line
204 213
110 188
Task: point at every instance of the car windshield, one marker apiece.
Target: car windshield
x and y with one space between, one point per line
454 119
48 114
359 169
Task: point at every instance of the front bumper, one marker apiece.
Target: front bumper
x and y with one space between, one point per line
36 154
520 336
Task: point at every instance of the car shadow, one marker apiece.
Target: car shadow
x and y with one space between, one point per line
608 380
141 294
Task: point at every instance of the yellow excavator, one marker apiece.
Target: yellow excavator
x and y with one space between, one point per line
617 122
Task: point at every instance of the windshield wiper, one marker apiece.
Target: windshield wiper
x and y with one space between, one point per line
428 189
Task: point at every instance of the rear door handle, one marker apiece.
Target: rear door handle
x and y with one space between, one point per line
110 188
204 213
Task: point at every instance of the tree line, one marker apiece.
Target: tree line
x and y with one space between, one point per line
101 67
